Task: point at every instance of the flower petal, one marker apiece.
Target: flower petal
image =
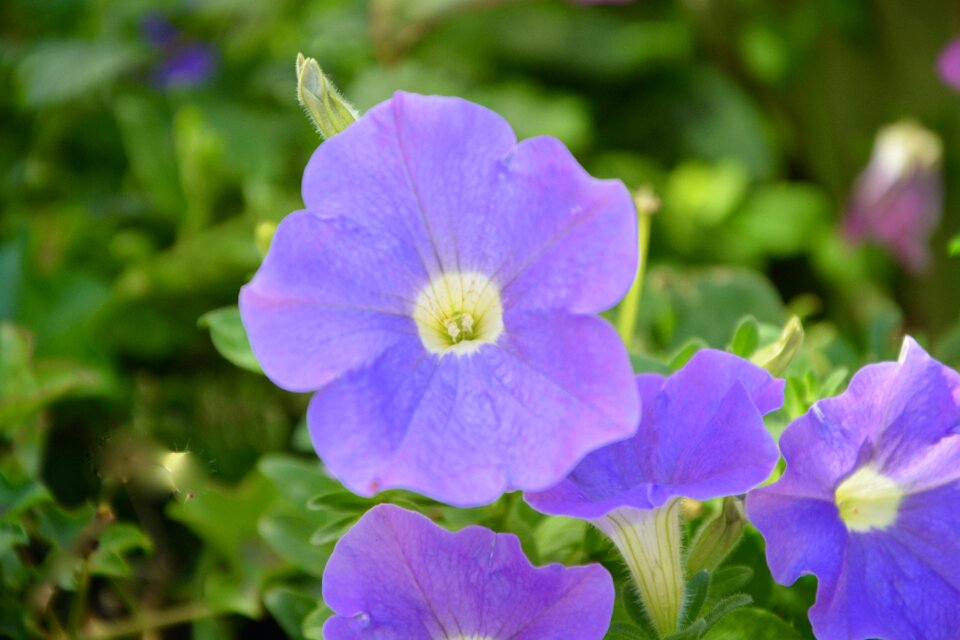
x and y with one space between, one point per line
701 436
825 444
920 408
616 475
448 177
414 167
803 535
727 454
397 576
328 298
465 429
561 239
887 592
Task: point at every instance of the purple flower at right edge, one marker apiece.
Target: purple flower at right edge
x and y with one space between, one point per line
398 576
949 64
869 504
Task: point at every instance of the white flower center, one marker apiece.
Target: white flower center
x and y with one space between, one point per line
458 313
868 500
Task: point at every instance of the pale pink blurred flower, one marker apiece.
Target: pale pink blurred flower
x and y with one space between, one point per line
949 64
897 200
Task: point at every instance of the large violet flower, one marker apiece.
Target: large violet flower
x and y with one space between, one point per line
438 293
397 576
898 199
868 504
701 436
949 64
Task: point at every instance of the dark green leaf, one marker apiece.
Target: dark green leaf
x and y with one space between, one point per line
290 608
726 580
695 596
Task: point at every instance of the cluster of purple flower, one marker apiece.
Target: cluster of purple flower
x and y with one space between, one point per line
438 295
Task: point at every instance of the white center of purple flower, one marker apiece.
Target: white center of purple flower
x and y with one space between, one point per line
868 500
458 313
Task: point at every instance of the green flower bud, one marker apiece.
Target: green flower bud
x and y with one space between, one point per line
717 538
776 357
321 101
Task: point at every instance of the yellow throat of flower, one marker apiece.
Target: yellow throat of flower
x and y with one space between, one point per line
868 500
457 313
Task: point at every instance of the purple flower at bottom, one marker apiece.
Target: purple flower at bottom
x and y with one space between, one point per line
397 576
869 504
438 295
949 64
897 200
701 436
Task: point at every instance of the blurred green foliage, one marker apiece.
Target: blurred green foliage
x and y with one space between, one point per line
147 483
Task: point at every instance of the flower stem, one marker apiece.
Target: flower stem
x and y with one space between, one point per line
148 621
630 305
649 541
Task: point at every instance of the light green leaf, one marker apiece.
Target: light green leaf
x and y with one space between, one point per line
56 72
230 338
751 624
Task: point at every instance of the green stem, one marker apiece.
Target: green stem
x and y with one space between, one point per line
148 621
627 317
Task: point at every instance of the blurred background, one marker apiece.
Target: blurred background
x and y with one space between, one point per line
151 487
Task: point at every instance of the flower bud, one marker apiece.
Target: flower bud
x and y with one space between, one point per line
776 357
321 101
717 538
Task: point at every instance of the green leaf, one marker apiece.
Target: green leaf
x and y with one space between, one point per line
115 542
687 351
954 246
230 338
695 596
724 606
226 594
699 196
634 609
17 497
560 539
290 537
751 624
781 219
623 631
726 580
56 72
707 304
297 479
27 387
147 140
290 608
313 623
746 337
226 518
693 632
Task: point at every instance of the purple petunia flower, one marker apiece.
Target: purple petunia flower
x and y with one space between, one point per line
701 436
898 199
438 293
397 576
949 64
868 504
